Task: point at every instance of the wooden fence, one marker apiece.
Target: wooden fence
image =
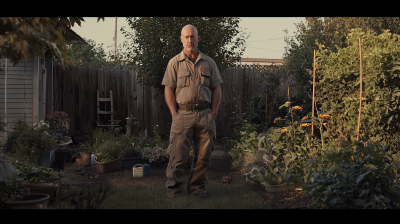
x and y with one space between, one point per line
75 92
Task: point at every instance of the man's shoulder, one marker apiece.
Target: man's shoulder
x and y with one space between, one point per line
207 58
176 58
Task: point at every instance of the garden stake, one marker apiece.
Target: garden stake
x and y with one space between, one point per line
359 113
313 93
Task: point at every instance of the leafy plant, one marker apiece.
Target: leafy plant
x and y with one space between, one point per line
340 87
108 150
27 142
353 176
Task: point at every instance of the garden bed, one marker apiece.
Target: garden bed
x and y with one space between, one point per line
219 168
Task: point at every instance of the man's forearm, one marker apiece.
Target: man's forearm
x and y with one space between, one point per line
170 99
216 99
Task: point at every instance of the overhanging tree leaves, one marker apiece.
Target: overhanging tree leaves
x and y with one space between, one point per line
19 35
155 40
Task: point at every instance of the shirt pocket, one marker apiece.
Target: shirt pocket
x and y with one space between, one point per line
205 77
183 78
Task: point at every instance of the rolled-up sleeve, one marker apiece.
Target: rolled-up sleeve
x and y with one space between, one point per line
216 79
170 75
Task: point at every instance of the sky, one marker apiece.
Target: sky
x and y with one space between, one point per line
266 38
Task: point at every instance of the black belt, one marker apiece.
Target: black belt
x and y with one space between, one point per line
193 107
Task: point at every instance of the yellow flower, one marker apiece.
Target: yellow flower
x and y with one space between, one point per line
287 103
304 118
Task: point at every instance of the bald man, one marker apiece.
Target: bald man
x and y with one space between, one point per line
192 92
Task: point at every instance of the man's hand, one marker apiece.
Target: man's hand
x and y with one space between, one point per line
170 100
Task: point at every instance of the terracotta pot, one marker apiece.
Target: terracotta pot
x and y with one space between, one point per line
29 201
83 159
109 167
279 188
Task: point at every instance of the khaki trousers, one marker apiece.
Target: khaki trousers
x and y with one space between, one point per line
188 126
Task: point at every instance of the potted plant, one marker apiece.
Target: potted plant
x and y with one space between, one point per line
59 123
83 153
41 179
131 155
155 155
32 144
108 156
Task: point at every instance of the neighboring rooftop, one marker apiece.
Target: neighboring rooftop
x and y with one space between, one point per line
261 61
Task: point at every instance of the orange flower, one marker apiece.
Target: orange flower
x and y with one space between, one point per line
287 103
260 134
304 118
277 119
297 108
283 131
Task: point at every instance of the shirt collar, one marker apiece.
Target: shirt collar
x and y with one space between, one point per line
182 56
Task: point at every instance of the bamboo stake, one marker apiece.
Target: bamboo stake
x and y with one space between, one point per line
361 75
313 94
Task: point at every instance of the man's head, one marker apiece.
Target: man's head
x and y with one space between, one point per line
190 38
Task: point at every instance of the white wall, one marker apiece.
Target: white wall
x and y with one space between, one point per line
19 92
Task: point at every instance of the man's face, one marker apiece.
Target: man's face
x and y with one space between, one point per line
190 39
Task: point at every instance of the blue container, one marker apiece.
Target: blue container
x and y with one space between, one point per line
146 170
131 161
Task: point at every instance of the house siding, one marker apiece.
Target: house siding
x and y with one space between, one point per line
18 101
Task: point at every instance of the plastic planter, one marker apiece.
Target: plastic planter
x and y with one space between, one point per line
108 167
131 161
29 201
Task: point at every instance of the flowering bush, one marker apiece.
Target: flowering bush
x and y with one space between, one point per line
154 154
58 120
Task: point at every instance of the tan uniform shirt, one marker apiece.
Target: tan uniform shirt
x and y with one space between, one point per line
193 82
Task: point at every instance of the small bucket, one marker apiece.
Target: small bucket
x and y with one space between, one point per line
137 170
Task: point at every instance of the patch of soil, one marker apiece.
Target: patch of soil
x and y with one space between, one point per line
86 177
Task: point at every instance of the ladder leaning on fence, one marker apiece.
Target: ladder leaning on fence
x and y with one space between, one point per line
114 123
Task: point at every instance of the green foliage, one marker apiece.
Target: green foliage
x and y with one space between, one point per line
353 176
340 86
37 174
155 40
12 189
255 110
19 35
328 31
28 142
108 150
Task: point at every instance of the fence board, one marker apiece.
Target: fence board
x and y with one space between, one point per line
75 93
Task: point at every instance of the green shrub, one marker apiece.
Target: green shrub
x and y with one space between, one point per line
340 87
353 176
28 142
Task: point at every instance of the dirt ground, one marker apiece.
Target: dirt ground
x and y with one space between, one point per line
219 168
